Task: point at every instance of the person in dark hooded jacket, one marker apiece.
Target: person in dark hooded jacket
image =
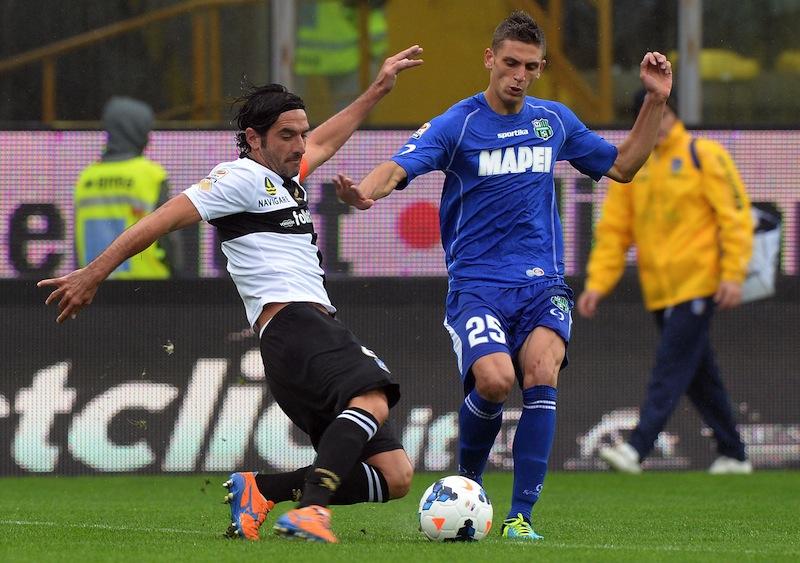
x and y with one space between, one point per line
121 188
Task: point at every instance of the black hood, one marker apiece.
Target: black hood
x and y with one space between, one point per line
128 123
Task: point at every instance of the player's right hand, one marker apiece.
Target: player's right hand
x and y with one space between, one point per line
655 72
588 302
73 292
392 66
349 193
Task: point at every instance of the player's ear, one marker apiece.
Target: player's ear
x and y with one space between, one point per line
541 68
488 58
253 138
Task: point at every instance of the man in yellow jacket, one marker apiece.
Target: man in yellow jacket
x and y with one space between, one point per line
328 53
688 214
121 188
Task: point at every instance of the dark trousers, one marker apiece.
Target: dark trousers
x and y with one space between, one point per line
685 363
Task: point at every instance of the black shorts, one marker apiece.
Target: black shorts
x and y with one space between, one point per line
315 365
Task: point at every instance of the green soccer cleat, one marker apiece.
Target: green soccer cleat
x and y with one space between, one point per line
519 528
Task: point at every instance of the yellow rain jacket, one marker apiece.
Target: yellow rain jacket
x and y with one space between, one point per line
688 214
328 38
109 198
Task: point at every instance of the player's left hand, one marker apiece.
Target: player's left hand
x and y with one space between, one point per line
655 71
728 295
349 193
73 292
392 66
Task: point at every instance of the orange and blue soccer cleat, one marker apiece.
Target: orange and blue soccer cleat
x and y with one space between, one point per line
249 508
310 523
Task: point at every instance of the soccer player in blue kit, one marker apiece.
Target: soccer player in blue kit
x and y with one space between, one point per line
508 307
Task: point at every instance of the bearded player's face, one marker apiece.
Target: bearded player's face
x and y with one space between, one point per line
282 147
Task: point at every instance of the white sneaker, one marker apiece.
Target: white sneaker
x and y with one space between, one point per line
725 465
622 457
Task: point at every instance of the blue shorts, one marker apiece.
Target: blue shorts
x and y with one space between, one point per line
482 321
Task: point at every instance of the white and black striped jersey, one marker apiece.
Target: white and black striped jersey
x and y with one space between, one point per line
266 233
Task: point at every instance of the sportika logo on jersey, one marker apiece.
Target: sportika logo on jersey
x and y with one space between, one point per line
514 160
515 133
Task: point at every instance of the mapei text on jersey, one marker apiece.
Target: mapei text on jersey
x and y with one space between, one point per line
513 160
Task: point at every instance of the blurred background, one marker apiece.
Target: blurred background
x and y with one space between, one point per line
165 375
187 58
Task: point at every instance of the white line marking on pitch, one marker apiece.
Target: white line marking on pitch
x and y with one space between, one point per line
675 548
98 527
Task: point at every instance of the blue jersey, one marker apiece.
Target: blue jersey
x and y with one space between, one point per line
498 215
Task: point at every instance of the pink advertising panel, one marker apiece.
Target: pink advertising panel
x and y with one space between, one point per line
398 237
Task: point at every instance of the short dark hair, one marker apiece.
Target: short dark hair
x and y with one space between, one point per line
638 102
260 107
519 26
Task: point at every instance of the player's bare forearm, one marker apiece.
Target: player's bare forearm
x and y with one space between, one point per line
637 146
76 290
656 74
175 214
383 179
377 184
328 137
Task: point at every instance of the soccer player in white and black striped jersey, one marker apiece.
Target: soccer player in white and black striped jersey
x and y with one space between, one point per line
330 385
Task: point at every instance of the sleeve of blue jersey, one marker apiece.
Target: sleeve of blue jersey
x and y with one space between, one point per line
587 151
428 149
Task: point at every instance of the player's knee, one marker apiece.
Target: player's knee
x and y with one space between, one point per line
396 469
494 387
399 478
494 377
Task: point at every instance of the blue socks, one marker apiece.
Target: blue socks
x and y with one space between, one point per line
532 443
479 422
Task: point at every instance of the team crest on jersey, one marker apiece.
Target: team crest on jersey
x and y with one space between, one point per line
418 133
269 186
561 302
542 128
676 165
205 184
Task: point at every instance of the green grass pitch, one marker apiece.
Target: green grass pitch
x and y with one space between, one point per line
583 517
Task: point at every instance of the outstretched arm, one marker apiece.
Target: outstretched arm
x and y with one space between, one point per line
324 140
379 183
656 74
76 290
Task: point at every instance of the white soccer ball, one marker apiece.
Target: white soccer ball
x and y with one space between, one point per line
455 509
